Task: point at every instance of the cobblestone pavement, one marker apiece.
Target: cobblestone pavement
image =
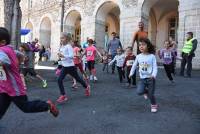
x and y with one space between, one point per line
112 108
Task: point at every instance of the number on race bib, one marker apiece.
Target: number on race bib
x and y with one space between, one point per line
89 53
129 62
2 74
167 55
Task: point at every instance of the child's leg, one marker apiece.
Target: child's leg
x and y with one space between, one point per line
60 80
73 72
119 69
30 106
151 91
127 76
141 87
23 80
104 66
168 71
107 67
134 79
4 104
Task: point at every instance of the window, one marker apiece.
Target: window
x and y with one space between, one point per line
173 25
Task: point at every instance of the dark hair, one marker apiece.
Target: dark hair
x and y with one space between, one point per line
25 47
113 33
190 33
76 43
91 41
130 48
4 35
150 46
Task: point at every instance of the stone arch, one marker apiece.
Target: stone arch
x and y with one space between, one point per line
45 31
72 24
107 17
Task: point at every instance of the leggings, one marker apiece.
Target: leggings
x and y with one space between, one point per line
22 103
71 71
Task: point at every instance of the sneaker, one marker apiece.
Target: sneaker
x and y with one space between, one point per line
154 108
145 96
87 91
52 108
74 86
44 83
62 98
91 77
95 78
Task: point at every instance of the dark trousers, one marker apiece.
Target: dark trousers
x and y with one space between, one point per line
105 66
71 71
147 86
22 103
121 74
132 77
113 65
169 70
186 59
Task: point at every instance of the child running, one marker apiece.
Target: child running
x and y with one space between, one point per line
119 59
78 62
90 52
105 61
11 85
129 60
29 64
167 54
67 57
147 71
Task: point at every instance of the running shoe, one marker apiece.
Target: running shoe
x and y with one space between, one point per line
44 83
52 108
87 91
62 98
154 108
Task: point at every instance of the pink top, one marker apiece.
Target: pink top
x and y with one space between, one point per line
77 55
90 53
11 82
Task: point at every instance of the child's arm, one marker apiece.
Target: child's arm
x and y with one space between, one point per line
133 68
4 59
112 61
155 67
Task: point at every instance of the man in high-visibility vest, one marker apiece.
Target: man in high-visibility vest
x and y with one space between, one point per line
188 54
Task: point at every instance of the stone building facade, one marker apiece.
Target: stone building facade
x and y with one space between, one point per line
99 18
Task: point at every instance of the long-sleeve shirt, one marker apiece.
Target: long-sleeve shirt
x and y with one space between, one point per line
194 46
67 52
167 55
147 66
119 59
113 45
129 60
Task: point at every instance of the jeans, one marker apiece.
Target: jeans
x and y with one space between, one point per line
71 71
113 65
147 86
121 74
22 103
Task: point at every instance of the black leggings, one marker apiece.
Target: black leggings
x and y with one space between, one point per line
132 77
169 70
121 74
71 71
22 103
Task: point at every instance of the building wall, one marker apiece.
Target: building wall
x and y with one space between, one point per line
131 12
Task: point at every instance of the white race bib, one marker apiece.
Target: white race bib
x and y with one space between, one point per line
129 62
2 74
167 55
89 53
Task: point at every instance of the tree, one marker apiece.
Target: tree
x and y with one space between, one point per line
12 20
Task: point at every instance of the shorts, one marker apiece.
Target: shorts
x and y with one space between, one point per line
30 71
80 67
90 65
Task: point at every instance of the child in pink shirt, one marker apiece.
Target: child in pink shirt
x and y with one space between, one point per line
90 52
11 85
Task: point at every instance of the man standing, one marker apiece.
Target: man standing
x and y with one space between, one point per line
188 53
139 35
113 45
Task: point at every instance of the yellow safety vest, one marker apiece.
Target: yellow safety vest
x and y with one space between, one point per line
188 46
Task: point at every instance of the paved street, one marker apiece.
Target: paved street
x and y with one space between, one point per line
112 109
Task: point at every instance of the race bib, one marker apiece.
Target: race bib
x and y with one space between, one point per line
121 62
144 68
2 74
89 53
167 55
129 62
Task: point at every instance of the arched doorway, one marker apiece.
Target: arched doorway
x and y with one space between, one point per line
107 21
73 25
45 32
29 36
162 20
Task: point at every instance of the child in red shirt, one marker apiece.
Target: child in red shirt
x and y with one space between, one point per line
129 60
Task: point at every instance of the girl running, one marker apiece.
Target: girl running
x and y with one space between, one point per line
105 61
167 54
147 70
90 52
129 60
119 59
67 57
11 85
